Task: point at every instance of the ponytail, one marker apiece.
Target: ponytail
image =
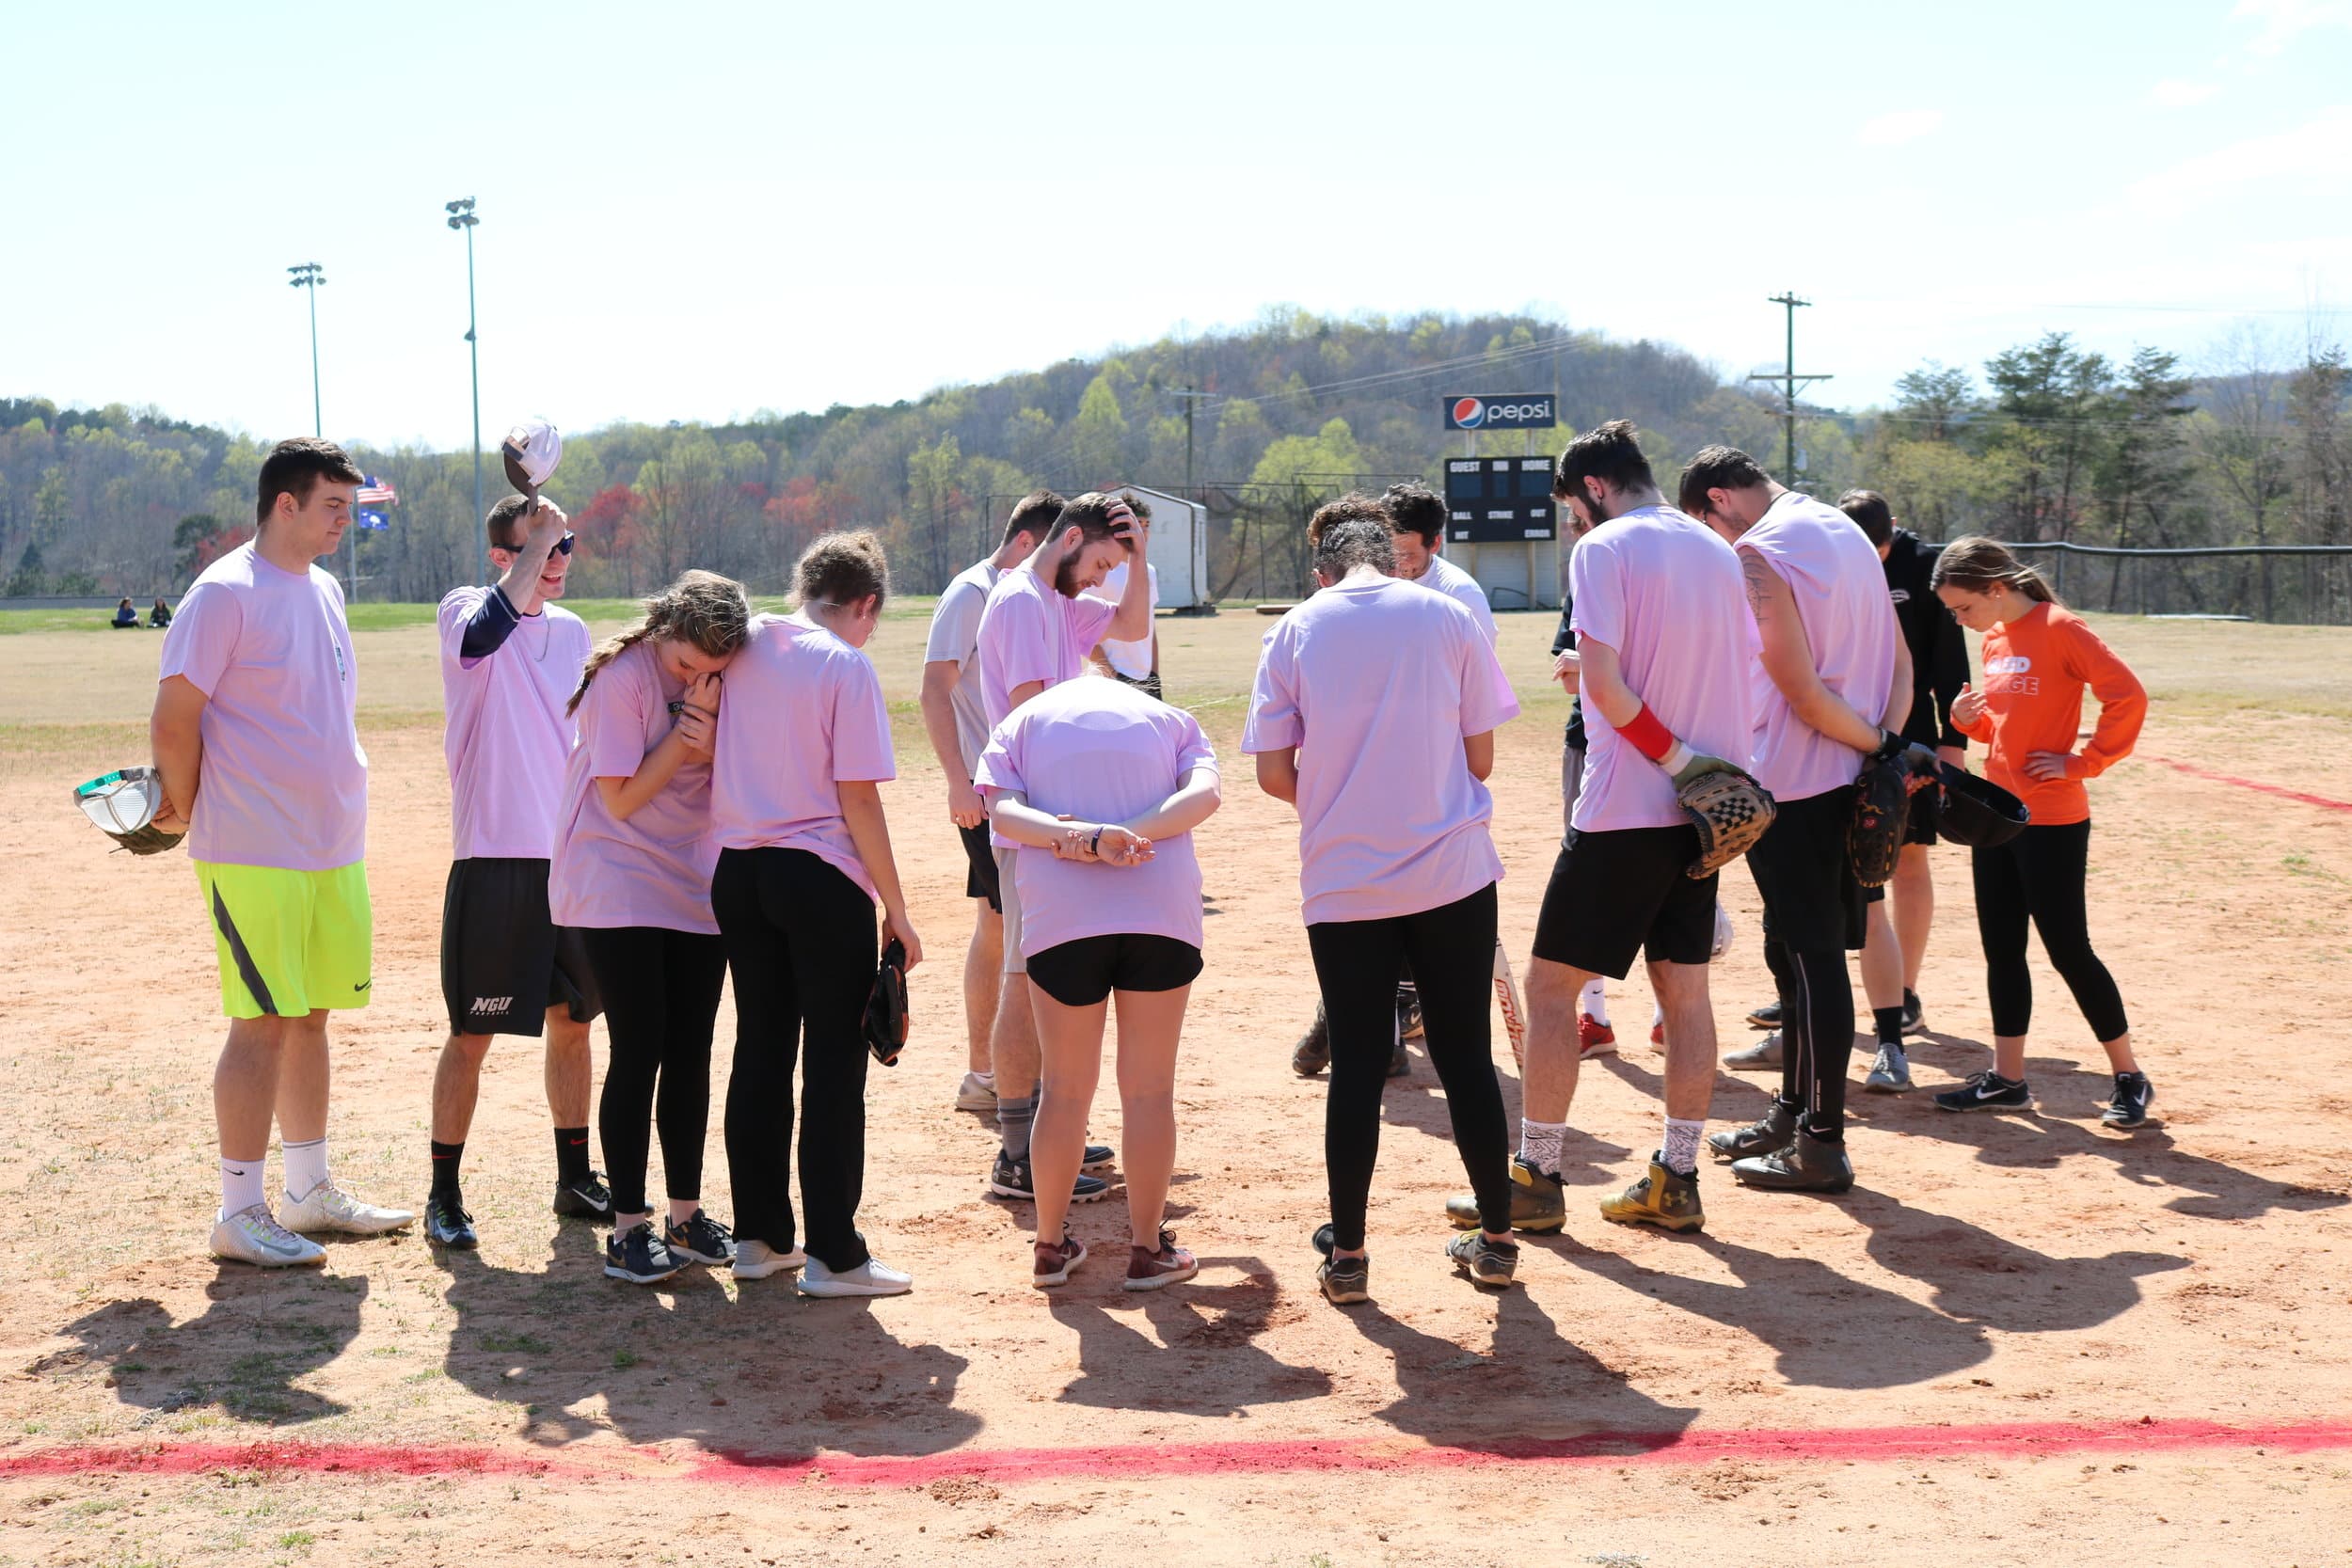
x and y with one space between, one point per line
1976 563
703 607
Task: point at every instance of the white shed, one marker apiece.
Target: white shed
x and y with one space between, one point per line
1179 545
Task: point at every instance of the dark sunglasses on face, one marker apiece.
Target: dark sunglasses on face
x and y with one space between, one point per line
562 547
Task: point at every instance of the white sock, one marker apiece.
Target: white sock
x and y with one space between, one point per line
1539 1143
240 1186
1681 1152
1593 1001
1656 1014
305 1168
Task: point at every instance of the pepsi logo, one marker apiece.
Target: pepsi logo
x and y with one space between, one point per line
1470 413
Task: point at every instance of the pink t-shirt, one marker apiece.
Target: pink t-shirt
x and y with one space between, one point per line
283 782
1839 586
1101 752
1378 682
506 735
653 868
1032 631
1663 590
802 715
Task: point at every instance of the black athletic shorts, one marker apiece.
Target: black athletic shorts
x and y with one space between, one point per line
1149 685
980 876
1080 973
1615 894
503 962
1812 903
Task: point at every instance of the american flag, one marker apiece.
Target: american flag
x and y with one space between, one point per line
378 492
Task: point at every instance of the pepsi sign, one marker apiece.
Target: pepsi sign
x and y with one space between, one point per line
1523 411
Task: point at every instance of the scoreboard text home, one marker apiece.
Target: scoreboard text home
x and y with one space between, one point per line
1496 501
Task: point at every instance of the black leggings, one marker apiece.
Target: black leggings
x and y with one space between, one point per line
1357 963
1816 1033
801 942
660 992
2039 876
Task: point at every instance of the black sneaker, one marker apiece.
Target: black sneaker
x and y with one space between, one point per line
700 1240
1099 1157
1407 1010
1808 1164
1010 1178
1914 1016
447 1224
1987 1092
584 1197
639 1255
1765 1017
1343 1280
1312 1053
1490 1263
1774 1131
2133 1094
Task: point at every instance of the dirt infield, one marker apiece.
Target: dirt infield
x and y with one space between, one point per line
2018 1336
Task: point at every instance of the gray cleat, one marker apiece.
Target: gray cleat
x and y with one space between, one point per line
1890 1074
1763 1057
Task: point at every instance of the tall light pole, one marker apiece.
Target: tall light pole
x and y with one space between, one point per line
1789 381
461 216
311 275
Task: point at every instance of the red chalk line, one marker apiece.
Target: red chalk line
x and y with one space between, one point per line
2279 790
2014 1440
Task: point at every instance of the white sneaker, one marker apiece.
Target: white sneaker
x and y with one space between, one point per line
757 1259
870 1278
977 1092
251 1236
329 1207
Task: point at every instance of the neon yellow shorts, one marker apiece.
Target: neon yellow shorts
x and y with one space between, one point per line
290 941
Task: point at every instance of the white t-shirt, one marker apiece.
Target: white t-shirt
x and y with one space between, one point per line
283 781
1839 586
1663 590
507 737
1101 752
1131 659
956 635
1454 583
1378 682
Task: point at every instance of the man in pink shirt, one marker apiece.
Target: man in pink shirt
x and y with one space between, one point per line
510 658
257 743
1374 712
1039 627
953 719
1662 651
1831 688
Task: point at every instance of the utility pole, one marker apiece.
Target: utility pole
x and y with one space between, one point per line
461 216
1789 381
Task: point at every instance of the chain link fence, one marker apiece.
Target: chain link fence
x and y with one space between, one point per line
2297 585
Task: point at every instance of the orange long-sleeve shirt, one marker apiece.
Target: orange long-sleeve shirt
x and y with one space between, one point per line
2035 669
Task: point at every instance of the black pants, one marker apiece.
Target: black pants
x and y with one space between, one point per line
1357 963
660 990
1816 1032
801 943
2039 876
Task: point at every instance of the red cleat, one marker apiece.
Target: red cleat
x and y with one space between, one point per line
1594 1039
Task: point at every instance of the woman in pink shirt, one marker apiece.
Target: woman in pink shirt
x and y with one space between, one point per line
1104 783
804 854
631 873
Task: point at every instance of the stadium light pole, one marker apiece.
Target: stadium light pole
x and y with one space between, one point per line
311 275
461 216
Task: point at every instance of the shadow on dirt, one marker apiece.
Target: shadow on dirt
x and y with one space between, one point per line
264 1330
1200 1356
752 1369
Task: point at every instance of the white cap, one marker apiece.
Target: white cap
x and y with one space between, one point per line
537 446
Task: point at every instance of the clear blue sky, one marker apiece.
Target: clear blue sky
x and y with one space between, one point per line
690 213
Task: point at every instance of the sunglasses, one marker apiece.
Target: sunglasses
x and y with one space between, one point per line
563 545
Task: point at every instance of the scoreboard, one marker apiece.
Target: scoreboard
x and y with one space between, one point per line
1498 500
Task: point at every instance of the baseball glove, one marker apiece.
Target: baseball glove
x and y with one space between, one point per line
1882 809
887 1005
123 806
1731 811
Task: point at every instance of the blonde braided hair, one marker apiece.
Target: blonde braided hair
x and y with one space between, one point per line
710 612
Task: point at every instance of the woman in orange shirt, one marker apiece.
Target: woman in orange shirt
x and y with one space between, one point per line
2038 656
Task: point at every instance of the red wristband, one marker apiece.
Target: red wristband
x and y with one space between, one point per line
1649 738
